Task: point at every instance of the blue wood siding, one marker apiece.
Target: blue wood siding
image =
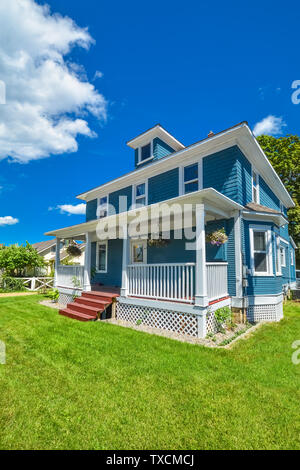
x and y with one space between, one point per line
231 257
260 285
91 210
114 199
284 232
163 186
161 149
136 157
113 277
266 196
229 172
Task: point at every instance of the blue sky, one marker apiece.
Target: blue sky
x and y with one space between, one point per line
192 66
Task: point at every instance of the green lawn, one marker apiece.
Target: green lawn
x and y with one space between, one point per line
72 385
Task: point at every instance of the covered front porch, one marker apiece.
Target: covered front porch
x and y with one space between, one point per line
183 271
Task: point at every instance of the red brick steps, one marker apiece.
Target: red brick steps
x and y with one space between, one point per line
89 306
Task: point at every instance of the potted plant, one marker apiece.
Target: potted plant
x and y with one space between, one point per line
217 238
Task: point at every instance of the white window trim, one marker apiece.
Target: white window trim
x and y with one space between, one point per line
134 186
181 176
292 257
261 228
144 243
98 205
278 256
140 161
97 257
257 187
283 265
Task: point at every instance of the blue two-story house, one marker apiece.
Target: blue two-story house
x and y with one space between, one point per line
189 230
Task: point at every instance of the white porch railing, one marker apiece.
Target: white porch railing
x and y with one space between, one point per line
175 281
216 280
70 276
172 281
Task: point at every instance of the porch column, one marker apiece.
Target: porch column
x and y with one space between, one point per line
87 262
201 299
57 261
238 254
125 262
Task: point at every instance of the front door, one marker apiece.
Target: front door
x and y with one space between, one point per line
139 251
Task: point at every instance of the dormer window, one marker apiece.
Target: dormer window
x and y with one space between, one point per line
146 152
255 187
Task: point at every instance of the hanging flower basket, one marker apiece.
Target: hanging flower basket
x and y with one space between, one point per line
158 242
73 250
217 238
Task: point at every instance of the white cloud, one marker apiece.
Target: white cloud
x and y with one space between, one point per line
98 74
69 209
48 98
8 220
271 125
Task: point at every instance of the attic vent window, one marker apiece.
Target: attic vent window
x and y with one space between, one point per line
145 152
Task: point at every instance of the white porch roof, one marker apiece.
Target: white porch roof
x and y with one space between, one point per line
216 205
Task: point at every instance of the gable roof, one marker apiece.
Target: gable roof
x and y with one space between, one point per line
41 246
260 208
155 131
240 135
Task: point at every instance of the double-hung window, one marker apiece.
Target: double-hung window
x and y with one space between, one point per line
261 251
102 209
255 187
140 194
101 257
190 178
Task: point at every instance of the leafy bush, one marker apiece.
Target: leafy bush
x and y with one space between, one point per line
53 295
10 284
222 316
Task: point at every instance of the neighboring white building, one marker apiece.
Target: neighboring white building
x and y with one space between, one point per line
47 250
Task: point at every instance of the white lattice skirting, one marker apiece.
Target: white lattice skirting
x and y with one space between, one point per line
182 323
65 299
211 323
267 312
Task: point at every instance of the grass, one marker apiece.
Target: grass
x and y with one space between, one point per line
72 385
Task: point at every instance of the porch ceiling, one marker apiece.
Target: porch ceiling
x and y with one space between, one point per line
216 206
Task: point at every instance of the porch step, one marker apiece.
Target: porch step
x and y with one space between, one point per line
89 305
76 315
86 309
99 295
93 302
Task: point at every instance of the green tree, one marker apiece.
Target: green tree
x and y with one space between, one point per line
284 155
14 259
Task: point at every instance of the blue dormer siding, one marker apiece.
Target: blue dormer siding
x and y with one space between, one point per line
229 172
125 203
267 197
163 186
91 210
161 149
